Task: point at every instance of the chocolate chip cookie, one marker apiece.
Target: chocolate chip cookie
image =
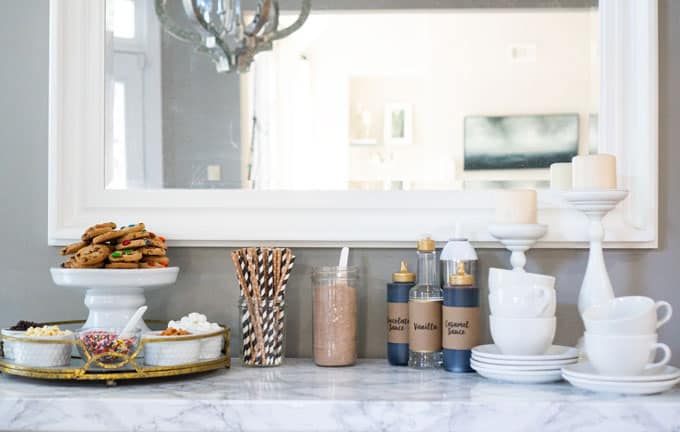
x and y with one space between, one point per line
92 254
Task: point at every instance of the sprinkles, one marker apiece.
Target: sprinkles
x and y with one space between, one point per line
101 342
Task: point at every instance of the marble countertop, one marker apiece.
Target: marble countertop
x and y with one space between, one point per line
298 396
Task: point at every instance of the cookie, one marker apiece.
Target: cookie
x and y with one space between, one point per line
73 264
148 265
132 228
107 236
152 251
132 244
93 254
122 265
127 255
135 236
157 242
73 248
157 259
98 229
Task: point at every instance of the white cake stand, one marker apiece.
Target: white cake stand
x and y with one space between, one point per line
596 287
112 296
518 238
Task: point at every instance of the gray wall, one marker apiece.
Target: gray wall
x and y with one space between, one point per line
207 281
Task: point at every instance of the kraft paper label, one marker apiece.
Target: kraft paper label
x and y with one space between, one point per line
397 323
425 326
461 327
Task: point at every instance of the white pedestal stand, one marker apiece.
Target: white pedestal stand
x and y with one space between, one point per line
596 287
518 238
113 296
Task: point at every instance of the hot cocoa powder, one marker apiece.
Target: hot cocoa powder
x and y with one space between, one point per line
335 325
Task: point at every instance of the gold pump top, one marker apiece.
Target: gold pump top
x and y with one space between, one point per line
426 244
403 275
461 277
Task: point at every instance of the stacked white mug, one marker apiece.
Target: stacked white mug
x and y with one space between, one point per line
621 335
522 308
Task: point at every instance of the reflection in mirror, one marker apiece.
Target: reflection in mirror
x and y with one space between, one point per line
357 99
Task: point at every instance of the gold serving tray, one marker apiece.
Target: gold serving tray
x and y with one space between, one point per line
127 368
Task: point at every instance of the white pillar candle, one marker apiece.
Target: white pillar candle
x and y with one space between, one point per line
560 176
594 172
516 206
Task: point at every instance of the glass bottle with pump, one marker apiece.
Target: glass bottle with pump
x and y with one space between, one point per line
425 311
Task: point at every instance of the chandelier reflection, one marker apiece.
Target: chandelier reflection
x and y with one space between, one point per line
219 29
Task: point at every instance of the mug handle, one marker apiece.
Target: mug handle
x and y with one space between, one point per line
666 355
667 316
544 294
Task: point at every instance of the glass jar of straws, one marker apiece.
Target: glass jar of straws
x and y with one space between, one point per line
263 275
263 332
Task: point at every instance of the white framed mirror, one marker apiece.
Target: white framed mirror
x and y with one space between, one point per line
336 137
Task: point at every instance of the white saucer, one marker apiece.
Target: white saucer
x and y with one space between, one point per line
553 364
627 387
586 371
555 352
534 366
519 377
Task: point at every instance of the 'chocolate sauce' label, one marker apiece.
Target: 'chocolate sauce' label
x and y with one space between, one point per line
461 327
397 322
425 326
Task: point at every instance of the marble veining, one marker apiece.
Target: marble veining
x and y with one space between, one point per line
297 396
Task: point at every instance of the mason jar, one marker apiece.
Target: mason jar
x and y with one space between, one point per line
334 298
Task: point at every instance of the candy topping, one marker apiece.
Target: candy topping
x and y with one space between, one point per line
131 225
127 251
116 254
126 242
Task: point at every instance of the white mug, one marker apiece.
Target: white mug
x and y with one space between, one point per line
624 355
633 315
522 336
514 294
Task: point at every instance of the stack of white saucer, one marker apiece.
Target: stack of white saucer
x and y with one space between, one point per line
621 344
489 362
523 328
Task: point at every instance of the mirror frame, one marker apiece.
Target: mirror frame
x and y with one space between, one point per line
78 198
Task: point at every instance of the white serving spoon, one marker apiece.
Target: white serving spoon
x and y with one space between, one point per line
132 323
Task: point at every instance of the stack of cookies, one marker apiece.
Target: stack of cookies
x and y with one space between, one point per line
130 247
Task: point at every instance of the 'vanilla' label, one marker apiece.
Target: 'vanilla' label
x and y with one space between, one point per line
425 320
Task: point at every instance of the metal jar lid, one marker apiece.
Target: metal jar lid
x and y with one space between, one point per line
426 244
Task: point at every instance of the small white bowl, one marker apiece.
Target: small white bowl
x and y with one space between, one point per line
39 354
8 346
211 348
171 353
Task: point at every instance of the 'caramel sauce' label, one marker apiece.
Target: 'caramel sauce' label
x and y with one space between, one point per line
461 327
425 326
397 323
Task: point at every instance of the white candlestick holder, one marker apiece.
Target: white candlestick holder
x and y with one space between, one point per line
518 238
596 287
